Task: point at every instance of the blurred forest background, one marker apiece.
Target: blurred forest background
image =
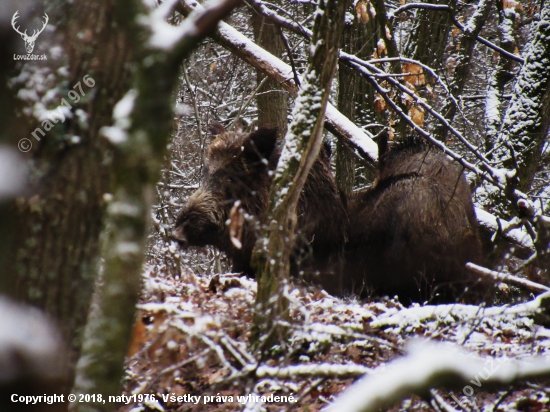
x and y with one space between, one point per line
125 101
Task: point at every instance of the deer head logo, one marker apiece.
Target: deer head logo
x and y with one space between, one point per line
29 40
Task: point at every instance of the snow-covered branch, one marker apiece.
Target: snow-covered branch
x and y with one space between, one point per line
429 365
507 278
315 370
348 133
519 238
169 38
457 313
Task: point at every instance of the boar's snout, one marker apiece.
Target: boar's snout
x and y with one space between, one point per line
201 222
179 237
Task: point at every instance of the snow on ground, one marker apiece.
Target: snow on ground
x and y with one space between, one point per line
190 348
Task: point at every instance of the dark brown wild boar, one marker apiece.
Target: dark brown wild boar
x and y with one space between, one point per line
412 233
239 168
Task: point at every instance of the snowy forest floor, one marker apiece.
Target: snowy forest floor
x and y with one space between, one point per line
192 333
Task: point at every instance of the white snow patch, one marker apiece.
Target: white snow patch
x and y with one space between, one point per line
124 209
28 337
122 111
493 223
13 173
164 36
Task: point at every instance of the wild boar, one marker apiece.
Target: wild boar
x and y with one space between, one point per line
412 232
239 168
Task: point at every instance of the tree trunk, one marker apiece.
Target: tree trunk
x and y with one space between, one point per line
527 120
60 219
347 87
302 144
429 37
271 98
139 137
501 75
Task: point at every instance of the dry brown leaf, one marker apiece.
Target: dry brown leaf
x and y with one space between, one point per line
509 4
455 32
379 103
417 115
381 47
388 33
391 133
414 74
139 336
353 352
362 12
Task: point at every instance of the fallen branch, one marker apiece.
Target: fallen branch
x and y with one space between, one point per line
319 370
507 278
430 365
457 313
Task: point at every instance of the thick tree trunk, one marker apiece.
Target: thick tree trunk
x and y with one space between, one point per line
59 221
527 120
429 37
271 257
347 87
271 98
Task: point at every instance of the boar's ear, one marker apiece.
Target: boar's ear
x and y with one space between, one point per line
382 142
216 129
261 143
326 150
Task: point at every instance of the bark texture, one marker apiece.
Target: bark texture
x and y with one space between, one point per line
61 217
271 98
527 120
